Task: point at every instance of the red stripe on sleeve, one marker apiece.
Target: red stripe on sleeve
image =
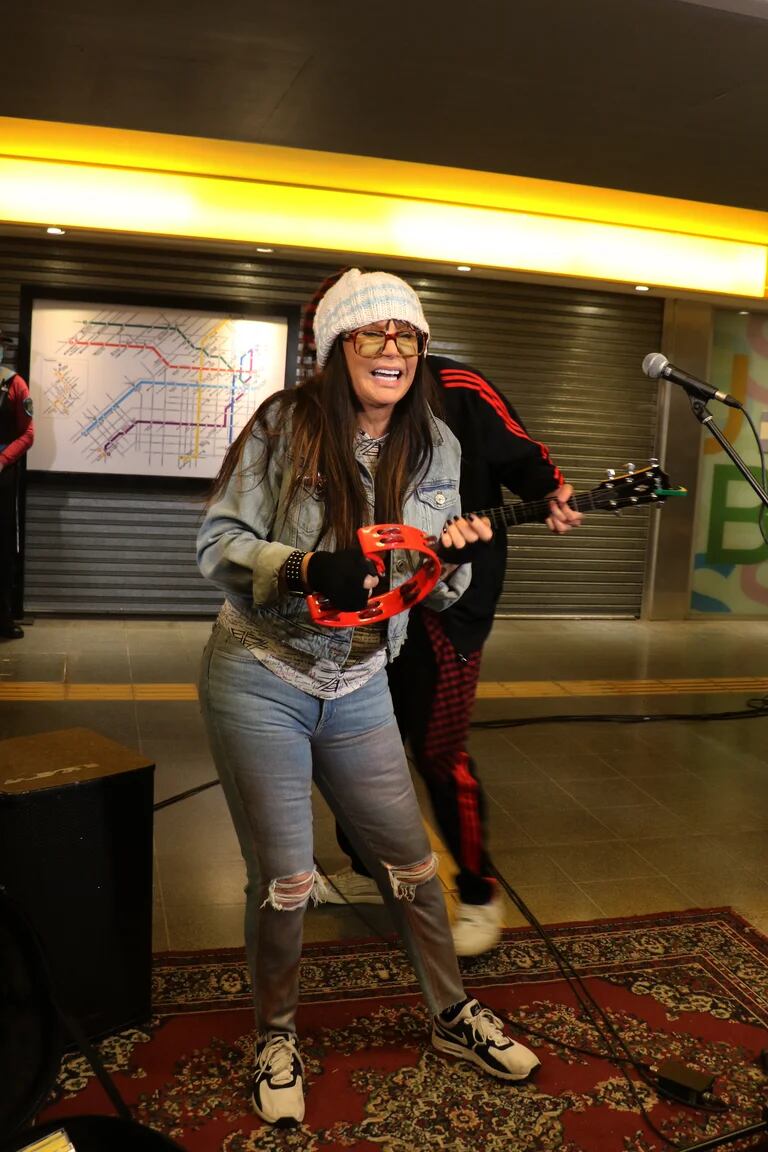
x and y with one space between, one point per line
461 378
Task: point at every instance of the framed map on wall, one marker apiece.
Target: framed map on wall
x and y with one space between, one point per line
147 390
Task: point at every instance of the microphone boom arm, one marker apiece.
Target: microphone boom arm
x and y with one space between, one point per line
705 417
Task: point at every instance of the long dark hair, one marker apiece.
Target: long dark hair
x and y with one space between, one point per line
322 414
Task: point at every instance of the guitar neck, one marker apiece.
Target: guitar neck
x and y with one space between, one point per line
534 511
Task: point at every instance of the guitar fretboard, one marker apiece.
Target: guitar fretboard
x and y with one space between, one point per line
536 511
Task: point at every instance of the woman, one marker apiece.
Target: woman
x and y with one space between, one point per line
287 701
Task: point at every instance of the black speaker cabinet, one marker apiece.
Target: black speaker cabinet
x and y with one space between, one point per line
91 1134
76 856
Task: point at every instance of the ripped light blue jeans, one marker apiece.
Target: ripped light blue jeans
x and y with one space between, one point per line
269 740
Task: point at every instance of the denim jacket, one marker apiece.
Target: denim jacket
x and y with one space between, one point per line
249 532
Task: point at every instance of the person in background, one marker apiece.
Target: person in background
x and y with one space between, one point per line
287 700
434 680
16 435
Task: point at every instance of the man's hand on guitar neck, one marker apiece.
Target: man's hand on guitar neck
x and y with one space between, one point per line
562 517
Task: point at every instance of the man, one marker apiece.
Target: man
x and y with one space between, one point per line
16 436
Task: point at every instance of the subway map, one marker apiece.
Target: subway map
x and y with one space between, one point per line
143 390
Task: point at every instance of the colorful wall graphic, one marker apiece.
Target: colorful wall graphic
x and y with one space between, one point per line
146 391
730 569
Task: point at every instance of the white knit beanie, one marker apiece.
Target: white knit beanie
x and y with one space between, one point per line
360 298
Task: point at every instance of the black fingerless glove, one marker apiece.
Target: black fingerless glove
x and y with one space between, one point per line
339 576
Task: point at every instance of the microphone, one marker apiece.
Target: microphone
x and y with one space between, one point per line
657 366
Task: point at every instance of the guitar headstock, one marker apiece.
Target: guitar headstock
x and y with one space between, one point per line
649 485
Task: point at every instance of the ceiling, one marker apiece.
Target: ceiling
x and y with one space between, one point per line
660 96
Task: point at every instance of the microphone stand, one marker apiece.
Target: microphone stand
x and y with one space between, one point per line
704 416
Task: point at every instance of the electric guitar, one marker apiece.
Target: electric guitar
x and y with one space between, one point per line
631 489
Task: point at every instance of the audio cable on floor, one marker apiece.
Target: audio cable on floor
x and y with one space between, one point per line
757 706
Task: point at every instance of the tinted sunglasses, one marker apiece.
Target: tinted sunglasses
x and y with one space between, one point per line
371 342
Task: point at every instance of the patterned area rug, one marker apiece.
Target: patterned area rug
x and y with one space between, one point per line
690 985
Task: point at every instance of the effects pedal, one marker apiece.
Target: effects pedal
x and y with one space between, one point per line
679 1082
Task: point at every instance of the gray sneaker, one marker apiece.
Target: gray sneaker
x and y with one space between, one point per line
349 887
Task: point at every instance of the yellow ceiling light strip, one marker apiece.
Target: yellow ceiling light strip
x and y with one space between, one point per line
116 181
120 147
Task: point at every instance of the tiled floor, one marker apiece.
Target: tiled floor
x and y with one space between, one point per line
587 818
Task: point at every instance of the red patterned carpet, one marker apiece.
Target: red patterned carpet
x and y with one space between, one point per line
692 985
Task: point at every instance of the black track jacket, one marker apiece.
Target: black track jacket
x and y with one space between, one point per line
496 451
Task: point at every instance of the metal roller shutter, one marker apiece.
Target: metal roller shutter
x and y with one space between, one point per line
127 549
568 359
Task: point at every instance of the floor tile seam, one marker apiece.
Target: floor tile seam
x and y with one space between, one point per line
681 837
557 880
753 868
622 843
530 811
161 901
618 880
635 878
610 837
591 806
593 812
586 896
741 876
713 744
619 836
593 895
650 795
653 800
525 786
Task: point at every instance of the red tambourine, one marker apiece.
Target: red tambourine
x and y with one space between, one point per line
375 539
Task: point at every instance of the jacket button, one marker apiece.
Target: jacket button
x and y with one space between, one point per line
440 499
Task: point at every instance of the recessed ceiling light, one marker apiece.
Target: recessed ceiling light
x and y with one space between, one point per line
463 268
265 249
642 288
54 230
743 313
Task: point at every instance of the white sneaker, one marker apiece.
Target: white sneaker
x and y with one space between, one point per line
349 887
474 1033
278 1090
477 927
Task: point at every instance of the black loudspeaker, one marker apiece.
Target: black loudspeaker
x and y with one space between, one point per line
76 856
93 1134
30 1031
31 1037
